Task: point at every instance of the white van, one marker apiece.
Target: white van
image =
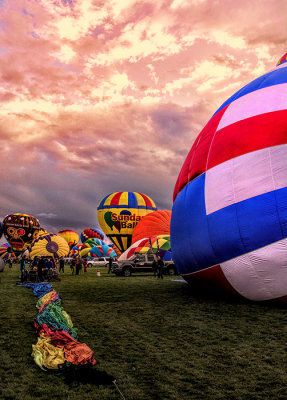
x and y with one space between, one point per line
98 262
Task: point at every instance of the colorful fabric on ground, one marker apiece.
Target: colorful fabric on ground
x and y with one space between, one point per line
52 357
57 346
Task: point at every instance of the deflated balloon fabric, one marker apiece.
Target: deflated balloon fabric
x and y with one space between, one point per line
79 353
51 297
53 315
57 345
52 356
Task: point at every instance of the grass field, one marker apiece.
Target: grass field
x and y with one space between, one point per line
155 337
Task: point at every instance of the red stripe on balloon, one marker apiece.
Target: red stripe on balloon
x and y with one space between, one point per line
210 280
116 198
148 203
251 134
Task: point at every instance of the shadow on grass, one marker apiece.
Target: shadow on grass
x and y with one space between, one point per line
74 376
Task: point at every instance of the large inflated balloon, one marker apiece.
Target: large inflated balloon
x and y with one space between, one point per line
119 213
71 237
229 218
155 223
49 245
91 233
20 230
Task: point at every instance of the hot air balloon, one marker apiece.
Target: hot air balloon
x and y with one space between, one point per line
91 233
6 252
49 245
157 244
71 237
102 251
20 230
155 223
74 252
93 242
119 213
229 218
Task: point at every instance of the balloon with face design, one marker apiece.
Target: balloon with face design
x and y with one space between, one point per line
20 230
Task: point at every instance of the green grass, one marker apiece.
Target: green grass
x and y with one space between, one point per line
155 337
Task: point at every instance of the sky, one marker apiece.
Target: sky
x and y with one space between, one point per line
99 96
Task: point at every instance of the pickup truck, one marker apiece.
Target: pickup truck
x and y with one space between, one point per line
141 263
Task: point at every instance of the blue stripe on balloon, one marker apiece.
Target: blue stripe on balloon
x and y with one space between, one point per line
200 241
101 205
271 78
132 200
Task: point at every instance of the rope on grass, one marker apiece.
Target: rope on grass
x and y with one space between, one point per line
115 383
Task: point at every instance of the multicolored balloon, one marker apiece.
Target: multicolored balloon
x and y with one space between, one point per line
229 218
91 233
20 230
74 252
71 237
49 245
102 251
93 242
157 244
119 214
6 252
155 223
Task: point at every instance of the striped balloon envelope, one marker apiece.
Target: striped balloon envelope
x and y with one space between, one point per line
119 213
229 218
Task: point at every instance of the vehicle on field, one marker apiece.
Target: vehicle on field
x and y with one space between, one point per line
98 262
141 263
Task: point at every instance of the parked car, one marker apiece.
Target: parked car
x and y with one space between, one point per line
141 263
98 262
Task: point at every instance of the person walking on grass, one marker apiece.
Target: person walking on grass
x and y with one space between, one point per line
78 266
160 266
154 267
23 268
85 264
72 266
110 264
61 264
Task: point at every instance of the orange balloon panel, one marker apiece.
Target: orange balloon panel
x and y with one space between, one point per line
155 223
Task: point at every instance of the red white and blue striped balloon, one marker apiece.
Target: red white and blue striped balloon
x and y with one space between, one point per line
229 218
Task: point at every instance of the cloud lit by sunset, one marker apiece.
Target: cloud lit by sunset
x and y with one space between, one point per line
100 96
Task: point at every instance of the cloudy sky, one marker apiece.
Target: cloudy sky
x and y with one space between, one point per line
100 96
